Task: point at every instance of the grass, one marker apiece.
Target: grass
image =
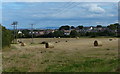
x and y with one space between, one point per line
16 69
78 56
26 56
88 65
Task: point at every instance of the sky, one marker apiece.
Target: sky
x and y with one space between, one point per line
60 0
56 14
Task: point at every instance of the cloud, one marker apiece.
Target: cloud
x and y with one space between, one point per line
94 8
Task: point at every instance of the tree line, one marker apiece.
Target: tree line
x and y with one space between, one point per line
74 33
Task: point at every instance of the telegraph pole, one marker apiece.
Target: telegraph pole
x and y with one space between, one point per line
15 32
32 32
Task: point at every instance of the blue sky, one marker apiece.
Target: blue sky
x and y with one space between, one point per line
55 14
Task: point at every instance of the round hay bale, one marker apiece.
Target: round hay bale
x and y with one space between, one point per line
97 43
59 37
56 42
23 44
49 45
77 37
110 39
19 41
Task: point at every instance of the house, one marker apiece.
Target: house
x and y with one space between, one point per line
41 32
37 33
67 32
49 31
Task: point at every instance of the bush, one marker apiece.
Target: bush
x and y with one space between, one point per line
74 33
6 37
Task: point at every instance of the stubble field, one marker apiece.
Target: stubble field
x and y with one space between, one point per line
75 55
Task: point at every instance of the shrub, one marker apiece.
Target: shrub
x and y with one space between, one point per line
6 37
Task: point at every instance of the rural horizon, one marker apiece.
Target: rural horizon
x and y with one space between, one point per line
50 27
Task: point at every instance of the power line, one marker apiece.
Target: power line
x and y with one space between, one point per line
68 8
66 5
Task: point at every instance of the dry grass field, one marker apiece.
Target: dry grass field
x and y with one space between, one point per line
75 55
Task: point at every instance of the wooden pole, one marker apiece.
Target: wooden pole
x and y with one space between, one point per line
32 32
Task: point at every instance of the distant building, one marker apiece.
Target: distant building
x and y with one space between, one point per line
41 32
49 31
67 32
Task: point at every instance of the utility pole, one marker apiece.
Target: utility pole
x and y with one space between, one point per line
32 32
117 31
15 32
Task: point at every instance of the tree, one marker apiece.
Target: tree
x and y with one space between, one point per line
73 33
117 24
80 27
7 37
99 26
26 33
113 26
72 27
64 27
58 34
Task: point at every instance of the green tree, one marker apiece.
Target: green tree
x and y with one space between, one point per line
7 37
74 33
80 27
72 27
113 26
64 27
58 33
99 26
26 33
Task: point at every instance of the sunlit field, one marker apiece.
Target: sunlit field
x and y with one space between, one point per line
68 55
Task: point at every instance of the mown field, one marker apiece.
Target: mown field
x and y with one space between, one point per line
75 55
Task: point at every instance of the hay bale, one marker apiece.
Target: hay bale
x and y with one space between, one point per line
19 41
110 39
49 45
56 42
77 37
97 43
23 44
58 37
107 49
